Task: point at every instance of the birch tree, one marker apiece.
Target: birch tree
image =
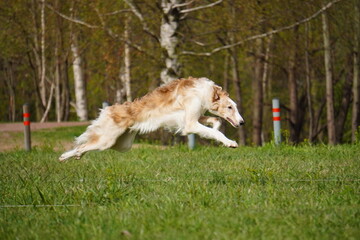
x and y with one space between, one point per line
173 14
169 39
126 68
79 81
79 78
35 58
40 59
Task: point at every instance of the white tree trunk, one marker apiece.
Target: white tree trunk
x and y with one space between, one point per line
171 17
48 105
329 82
80 91
125 71
356 86
169 40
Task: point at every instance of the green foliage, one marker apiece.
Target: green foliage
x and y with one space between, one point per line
172 193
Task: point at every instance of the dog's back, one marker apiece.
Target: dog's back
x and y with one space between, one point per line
163 107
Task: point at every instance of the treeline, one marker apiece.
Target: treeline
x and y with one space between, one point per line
66 57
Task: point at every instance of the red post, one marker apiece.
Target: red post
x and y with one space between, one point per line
27 133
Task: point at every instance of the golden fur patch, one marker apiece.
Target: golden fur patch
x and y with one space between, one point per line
129 112
93 138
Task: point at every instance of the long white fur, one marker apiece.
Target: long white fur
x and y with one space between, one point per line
178 117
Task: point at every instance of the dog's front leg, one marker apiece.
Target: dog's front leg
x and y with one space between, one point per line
192 125
213 121
209 133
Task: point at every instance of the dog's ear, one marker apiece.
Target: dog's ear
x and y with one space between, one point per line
216 93
215 106
215 98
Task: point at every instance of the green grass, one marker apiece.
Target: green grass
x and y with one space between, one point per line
210 193
45 138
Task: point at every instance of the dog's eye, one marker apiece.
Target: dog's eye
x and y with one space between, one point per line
229 107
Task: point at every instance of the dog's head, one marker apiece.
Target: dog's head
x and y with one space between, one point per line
224 107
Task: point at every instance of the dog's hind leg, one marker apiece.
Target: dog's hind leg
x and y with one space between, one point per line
100 135
68 154
94 141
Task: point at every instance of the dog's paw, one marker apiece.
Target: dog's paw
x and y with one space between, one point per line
231 144
62 158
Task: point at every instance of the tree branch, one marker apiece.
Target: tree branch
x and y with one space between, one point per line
117 37
48 103
135 9
103 26
182 4
72 19
200 7
264 35
116 12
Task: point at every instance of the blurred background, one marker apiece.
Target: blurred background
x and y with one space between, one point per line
66 57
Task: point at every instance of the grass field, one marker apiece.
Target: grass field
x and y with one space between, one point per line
172 193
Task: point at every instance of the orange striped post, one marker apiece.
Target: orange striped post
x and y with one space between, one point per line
27 133
276 120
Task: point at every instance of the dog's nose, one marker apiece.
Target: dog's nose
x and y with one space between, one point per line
242 123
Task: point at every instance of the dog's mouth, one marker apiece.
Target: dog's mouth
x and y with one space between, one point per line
232 123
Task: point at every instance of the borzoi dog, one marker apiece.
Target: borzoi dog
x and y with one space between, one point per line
177 106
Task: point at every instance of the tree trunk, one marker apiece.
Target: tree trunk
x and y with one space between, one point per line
9 80
66 96
308 85
343 109
330 116
169 40
125 71
265 78
57 74
36 64
258 95
293 97
42 85
356 85
48 105
266 87
226 73
237 86
79 81
57 86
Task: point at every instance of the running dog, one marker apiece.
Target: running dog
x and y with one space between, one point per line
177 106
